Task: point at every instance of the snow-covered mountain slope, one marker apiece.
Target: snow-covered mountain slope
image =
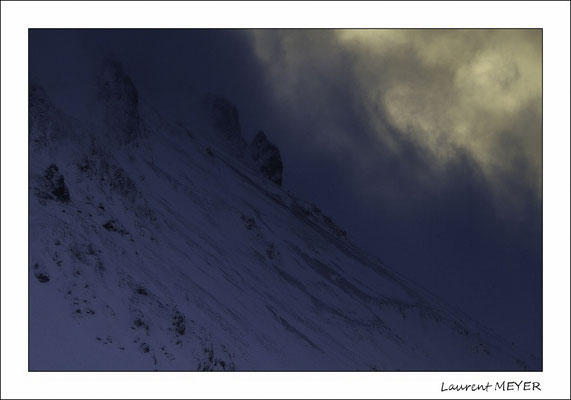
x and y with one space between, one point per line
161 247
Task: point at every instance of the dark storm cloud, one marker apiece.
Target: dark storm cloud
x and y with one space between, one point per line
424 146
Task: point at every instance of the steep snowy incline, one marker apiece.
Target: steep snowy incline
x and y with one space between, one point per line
152 246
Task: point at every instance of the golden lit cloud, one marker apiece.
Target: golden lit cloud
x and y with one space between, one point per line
449 91
466 89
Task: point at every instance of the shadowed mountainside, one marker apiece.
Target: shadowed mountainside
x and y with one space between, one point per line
160 247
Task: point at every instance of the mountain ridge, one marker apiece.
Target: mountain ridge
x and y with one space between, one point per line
175 252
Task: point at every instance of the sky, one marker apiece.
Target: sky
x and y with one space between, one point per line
424 145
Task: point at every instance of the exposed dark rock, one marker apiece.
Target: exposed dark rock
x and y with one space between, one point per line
142 291
140 323
121 101
53 186
42 277
267 158
179 323
122 183
111 226
99 165
39 110
211 362
333 227
312 212
107 340
46 122
225 119
249 222
224 116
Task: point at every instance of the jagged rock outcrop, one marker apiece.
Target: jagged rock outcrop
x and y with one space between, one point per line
313 213
225 120
52 186
224 116
38 115
267 158
46 122
120 102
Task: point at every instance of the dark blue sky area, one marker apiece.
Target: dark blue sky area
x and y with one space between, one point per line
355 125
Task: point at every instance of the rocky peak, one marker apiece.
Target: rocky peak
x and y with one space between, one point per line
120 100
225 120
224 116
115 85
267 158
46 122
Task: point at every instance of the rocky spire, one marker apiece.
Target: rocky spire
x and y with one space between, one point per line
120 100
225 120
266 157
